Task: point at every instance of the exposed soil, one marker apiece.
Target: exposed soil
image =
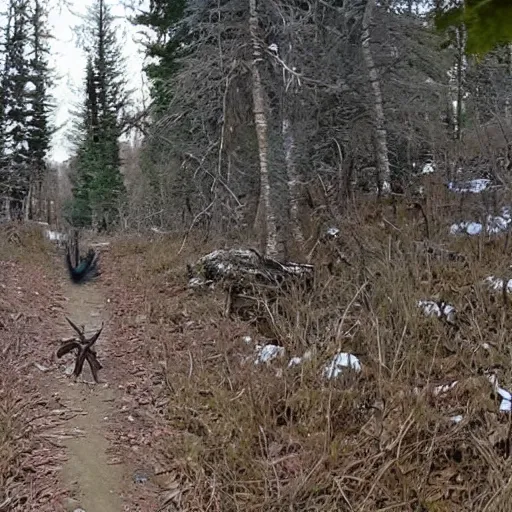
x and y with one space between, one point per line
91 471
86 439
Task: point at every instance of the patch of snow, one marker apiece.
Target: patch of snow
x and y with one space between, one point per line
494 224
247 339
431 308
438 390
332 232
267 353
495 283
196 282
428 168
295 361
471 228
506 396
340 361
473 186
457 419
506 400
55 236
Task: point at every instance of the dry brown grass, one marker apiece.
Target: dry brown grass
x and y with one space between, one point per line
26 467
24 243
245 437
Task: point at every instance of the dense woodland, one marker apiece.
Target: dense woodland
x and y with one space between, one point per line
263 114
304 259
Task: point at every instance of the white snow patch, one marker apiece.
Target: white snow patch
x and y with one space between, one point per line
494 225
296 361
428 168
266 353
333 232
438 390
495 283
55 236
506 396
196 282
340 361
431 308
473 186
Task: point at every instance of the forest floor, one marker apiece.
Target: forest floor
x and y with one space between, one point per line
67 445
184 420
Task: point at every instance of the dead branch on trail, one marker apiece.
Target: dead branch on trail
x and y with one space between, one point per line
84 351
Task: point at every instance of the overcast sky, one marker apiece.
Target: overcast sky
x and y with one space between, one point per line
68 62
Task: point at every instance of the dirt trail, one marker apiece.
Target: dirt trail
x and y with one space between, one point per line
95 477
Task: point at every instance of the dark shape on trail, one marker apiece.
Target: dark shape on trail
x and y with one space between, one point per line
84 351
84 269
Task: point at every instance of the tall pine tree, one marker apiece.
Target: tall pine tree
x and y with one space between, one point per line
98 190
39 129
17 87
24 106
165 19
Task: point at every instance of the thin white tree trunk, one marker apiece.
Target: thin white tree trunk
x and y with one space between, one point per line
461 49
7 208
27 214
380 135
265 210
509 71
293 180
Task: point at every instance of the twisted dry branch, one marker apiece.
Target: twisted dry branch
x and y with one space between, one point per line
84 351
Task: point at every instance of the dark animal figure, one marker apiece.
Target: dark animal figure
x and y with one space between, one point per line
86 269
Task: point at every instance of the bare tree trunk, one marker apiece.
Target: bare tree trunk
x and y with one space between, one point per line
27 203
293 180
7 208
265 210
508 115
380 135
461 47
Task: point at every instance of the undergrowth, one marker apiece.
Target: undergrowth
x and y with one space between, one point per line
270 437
24 243
24 256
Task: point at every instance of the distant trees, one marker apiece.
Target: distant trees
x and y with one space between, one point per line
25 107
98 189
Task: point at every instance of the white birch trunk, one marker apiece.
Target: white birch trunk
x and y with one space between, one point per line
27 206
461 50
380 135
293 180
265 209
